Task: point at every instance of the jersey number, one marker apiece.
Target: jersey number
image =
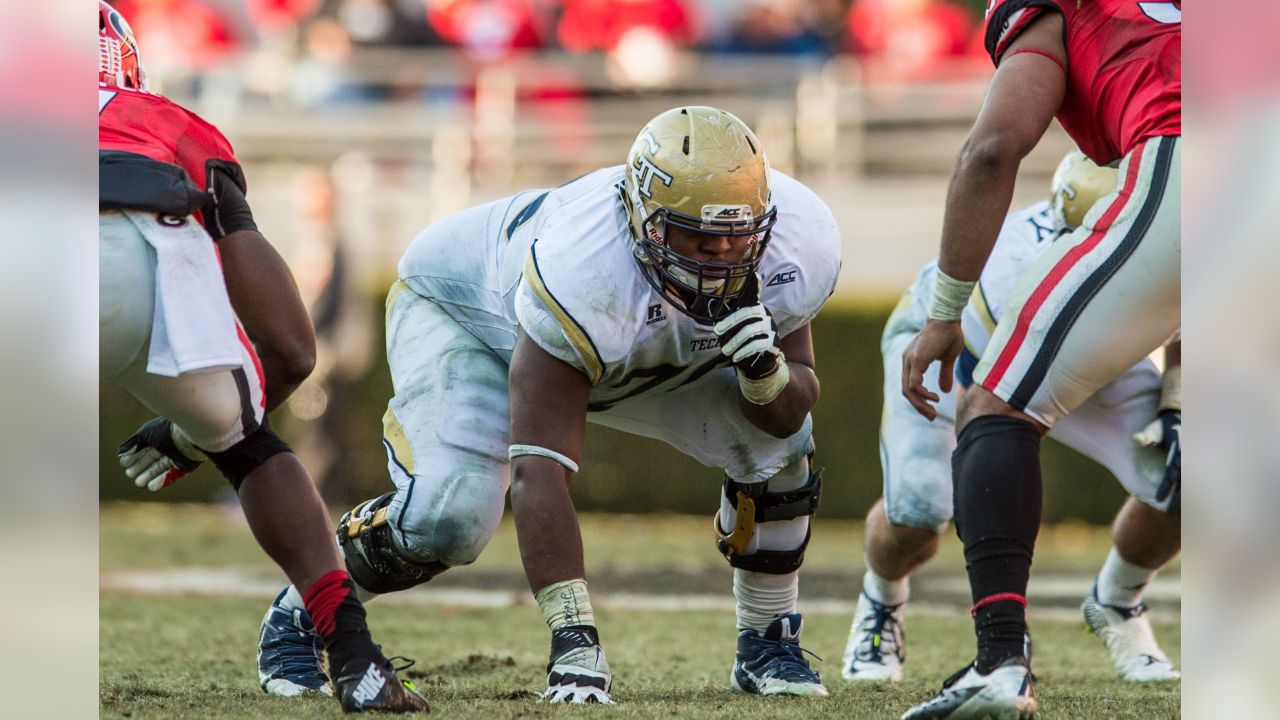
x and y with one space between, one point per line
1162 12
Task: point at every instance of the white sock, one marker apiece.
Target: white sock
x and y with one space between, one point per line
886 592
762 597
1121 582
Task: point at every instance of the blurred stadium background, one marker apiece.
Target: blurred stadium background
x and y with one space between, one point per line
359 122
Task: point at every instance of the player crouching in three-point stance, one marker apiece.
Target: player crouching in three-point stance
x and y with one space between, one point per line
669 298
903 528
1096 303
179 332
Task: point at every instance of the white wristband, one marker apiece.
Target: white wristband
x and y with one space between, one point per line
1171 389
766 389
516 451
949 297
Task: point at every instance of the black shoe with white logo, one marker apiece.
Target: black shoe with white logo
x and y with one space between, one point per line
372 686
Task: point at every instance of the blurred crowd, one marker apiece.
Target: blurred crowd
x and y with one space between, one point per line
896 40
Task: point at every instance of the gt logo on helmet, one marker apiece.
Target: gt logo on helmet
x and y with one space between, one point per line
647 171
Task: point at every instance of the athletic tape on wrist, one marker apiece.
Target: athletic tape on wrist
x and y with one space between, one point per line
949 297
516 451
565 603
766 389
1171 389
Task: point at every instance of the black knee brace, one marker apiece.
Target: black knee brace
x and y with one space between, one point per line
371 555
236 462
755 505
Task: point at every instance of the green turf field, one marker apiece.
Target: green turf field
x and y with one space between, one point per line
166 654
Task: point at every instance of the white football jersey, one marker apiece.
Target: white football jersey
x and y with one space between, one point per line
558 263
1024 237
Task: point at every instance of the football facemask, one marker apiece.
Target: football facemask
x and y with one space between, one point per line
706 291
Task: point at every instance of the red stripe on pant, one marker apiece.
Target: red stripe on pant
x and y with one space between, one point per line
257 364
1064 266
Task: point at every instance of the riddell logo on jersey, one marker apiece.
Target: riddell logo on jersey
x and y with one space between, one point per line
655 315
782 278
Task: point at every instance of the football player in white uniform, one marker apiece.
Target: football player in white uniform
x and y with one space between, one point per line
670 298
904 526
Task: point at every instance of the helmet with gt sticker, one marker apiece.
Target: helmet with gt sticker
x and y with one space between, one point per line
697 170
1078 183
118 63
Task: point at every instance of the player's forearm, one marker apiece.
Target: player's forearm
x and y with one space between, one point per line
546 523
784 416
1025 92
977 200
266 301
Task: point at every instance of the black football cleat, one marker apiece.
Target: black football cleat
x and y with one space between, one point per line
372 686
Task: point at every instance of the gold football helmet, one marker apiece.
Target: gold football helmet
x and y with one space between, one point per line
703 170
1077 184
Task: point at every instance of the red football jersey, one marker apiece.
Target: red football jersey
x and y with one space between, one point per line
1124 67
154 126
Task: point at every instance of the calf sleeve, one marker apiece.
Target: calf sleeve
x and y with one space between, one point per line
998 495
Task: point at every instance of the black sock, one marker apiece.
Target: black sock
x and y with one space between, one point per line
339 618
998 496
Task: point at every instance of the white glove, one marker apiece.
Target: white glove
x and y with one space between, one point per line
157 455
749 338
578 672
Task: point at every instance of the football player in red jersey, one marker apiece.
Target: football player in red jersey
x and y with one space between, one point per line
201 321
1103 298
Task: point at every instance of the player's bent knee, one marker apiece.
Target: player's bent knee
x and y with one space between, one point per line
238 461
457 541
978 401
455 522
756 508
213 421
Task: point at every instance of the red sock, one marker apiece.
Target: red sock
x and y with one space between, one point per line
339 618
324 597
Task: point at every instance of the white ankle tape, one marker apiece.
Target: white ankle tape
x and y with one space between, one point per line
565 603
